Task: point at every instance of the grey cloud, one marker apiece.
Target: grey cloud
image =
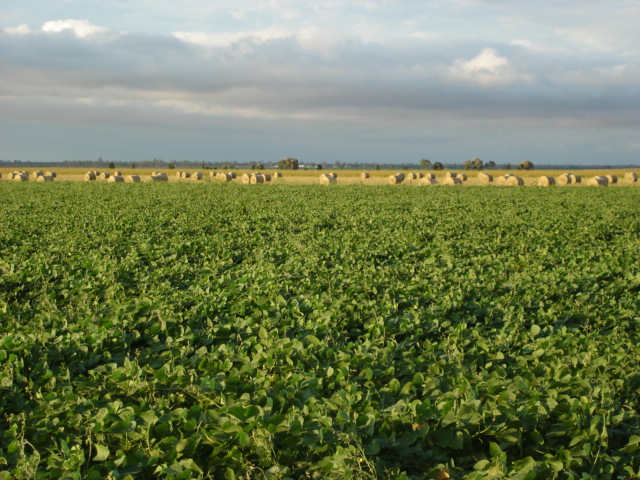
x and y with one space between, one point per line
158 81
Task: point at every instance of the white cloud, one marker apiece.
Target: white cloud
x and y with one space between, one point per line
225 39
22 29
487 69
80 28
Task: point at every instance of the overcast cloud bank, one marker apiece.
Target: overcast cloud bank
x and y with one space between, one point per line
364 81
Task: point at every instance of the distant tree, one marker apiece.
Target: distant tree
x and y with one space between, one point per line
111 165
526 165
438 166
224 166
507 166
259 166
491 164
133 166
253 165
405 167
319 166
171 166
289 164
477 164
377 166
425 163
467 165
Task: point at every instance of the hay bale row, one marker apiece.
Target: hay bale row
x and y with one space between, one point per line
37 173
20 176
612 178
452 181
430 176
104 175
546 181
485 178
90 177
428 181
44 178
183 175
159 177
396 179
255 178
514 181
502 179
598 182
461 176
115 179
328 179
568 179
631 177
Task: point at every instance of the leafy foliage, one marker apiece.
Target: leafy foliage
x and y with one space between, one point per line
288 163
214 331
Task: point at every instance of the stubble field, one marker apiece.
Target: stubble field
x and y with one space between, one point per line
295 331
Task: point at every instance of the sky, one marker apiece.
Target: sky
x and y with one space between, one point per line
386 81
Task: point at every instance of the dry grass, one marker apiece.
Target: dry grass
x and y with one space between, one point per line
347 177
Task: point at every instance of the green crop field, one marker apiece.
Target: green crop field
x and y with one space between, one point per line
299 332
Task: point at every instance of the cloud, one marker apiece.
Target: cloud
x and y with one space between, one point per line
80 28
487 69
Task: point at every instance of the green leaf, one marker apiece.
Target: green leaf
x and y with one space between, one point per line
102 453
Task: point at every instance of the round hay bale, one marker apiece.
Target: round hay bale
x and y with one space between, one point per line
233 175
328 179
564 180
450 175
411 176
501 180
224 177
51 174
631 177
197 176
334 175
575 178
463 177
428 181
37 173
257 178
515 181
277 174
420 174
485 178
115 179
598 182
162 177
267 177
545 181
396 179
132 179
105 175
178 174
21 177
612 178
365 175
452 181
89 177
213 174
186 174
44 178
431 176
117 173
246 178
